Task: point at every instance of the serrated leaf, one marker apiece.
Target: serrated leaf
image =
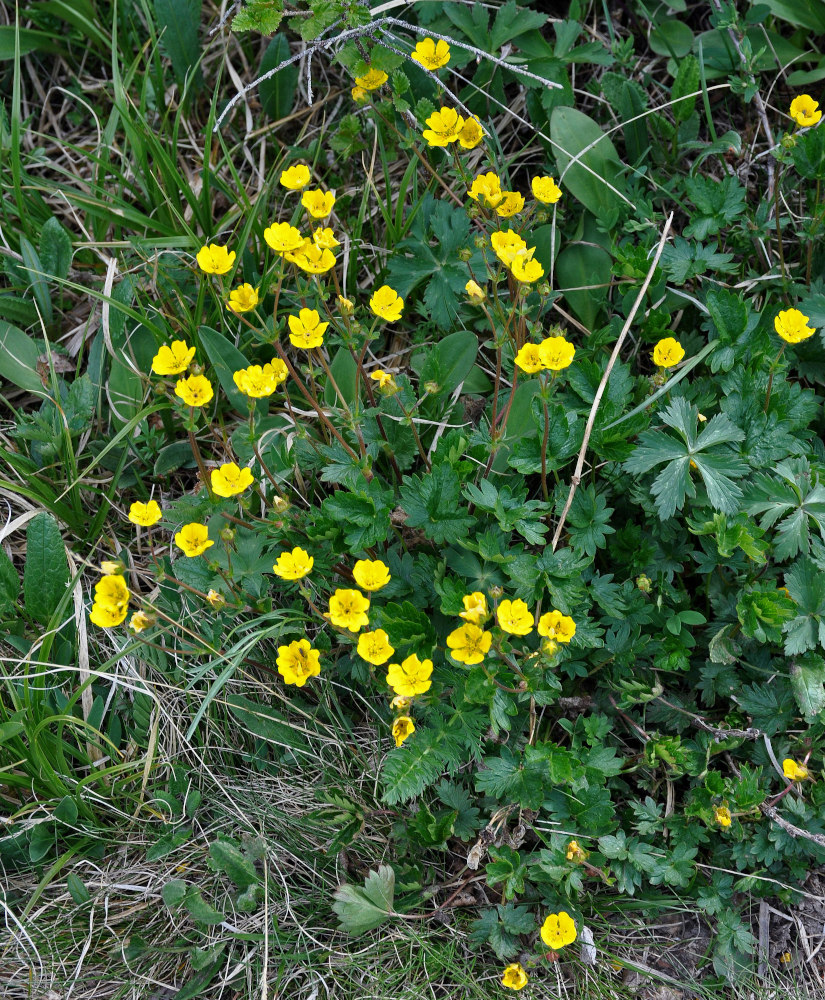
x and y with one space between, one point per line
432 502
46 573
226 857
360 909
806 585
808 686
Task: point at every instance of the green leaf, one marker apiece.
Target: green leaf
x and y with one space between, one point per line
808 685
671 37
508 867
686 83
345 372
201 911
448 362
46 573
719 204
587 174
362 909
578 266
37 281
682 260
77 889
225 856
265 722
55 249
226 359
363 514
9 583
808 154
277 94
407 625
806 585
432 502
263 16
30 41
794 501
179 22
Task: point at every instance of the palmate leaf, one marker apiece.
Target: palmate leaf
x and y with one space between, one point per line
796 500
361 909
707 452
806 585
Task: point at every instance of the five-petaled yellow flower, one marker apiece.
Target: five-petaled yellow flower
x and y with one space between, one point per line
514 978
475 292
529 359
556 353
174 359
792 326
312 258
348 609
193 539
215 259
402 728
243 298
306 329
371 574
293 565
511 204
229 480
794 771
195 390
318 203
324 238
475 608
295 177
545 190
387 304
297 662
805 110
374 647
507 245
445 126
668 352
471 133
486 190
258 381
411 676
558 930
145 514
525 269
723 816
372 79
140 621
107 615
469 643
514 617
554 625
112 592
283 238
431 54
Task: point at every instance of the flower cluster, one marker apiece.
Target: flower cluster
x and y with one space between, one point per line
446 126
470 643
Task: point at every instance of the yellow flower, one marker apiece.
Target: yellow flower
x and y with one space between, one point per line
371 574
283 238
306 329
525 269
431 54
295 177
372 79
410 677
511 204
402 728
374 647
792 326
723 816
348 609
558 930
312 258
804 110
145 514
514 617
794 771
243 298
140 621
514 978
507 245
545 190
668 352
193 539
325 238
195 390
216 600
445 127
258 381
174 359
475 608
486 190
469 644
345 306
359 94
293 565
385 380
387 304
529 359
297 662
575 853
229 480
475 291
107 615
400 701
471 135
556 626
556 353
112 592
318 203
215 259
